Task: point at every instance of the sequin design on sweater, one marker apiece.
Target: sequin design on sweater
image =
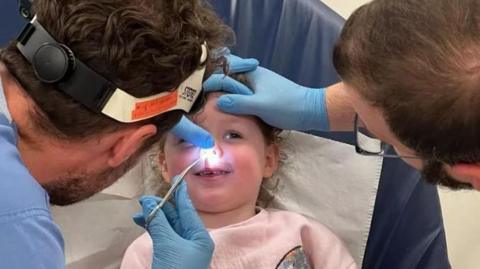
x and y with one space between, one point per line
294 259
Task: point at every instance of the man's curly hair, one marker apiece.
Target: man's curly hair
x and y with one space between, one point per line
143 46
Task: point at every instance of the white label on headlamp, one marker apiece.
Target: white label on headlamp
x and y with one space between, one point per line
127 108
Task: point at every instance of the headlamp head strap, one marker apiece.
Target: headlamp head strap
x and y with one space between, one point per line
55 63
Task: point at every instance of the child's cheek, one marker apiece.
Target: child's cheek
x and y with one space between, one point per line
181 159
243 161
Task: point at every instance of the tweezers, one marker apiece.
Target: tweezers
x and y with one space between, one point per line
178 179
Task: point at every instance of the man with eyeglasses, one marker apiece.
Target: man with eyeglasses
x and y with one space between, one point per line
411 72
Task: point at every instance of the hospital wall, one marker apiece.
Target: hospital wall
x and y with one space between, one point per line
461 210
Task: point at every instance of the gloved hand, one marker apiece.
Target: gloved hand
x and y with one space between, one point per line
179 237
196 135
279 102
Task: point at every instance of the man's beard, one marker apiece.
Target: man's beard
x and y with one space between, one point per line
434 173
77 186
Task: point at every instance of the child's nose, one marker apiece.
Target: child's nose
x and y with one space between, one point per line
217 150
212 155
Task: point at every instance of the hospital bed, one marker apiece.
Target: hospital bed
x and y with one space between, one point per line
295 38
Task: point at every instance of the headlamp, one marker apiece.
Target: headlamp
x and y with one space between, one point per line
55 63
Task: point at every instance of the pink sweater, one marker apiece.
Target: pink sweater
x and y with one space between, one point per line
270 239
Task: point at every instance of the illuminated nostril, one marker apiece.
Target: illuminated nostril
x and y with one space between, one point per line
211 156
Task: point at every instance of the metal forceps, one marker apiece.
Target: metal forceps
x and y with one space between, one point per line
179 178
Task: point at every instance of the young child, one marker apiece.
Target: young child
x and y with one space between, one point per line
226 193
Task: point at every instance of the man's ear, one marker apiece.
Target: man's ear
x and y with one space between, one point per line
129 142
469 173
272 155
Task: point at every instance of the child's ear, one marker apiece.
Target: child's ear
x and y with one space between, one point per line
162 163
272 154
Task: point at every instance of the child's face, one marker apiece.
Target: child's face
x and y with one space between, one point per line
234 180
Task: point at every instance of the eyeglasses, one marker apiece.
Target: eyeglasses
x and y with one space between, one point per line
368 144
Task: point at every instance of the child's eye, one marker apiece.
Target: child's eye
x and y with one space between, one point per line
232 135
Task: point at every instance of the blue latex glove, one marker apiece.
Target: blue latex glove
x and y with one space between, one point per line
279 102
198 136
179 237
